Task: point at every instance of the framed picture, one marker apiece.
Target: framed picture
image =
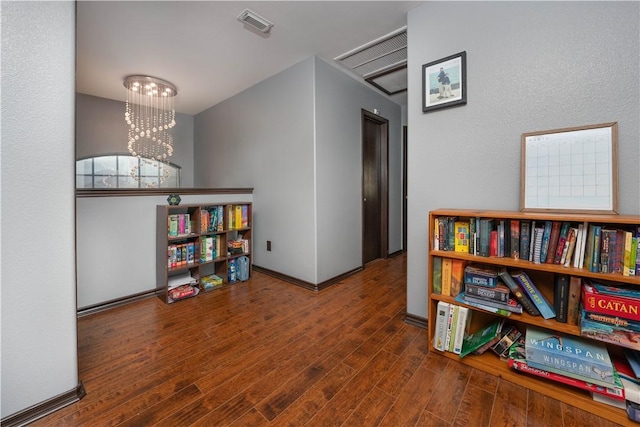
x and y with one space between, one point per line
444 82
570 170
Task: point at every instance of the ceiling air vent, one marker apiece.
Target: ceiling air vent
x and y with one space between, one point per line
381 62
255 21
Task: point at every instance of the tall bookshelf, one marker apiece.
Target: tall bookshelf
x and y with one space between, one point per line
543 276
183 234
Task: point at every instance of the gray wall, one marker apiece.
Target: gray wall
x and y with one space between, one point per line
263 138
39 353
339 100
100 129
531 66
296 138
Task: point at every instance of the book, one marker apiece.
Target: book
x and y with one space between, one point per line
437 275
525 239
486 226
493 244
499 311
501 238
461 242
539 300
245 216
514 239
570 246
510 305
518 362
626 260
561 297
499 293
573 303
436 234
630 382
592 248
554 237
524 300
172 225
546 237
633 257
457 276
583 244
440 332
509 336
472 236
575 357
451 327
462 328
612 333
536 253
446 276
621 301
606 245
578 248
562 241
481 337
481 275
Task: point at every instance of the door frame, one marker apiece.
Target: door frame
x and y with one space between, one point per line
405 196
383 180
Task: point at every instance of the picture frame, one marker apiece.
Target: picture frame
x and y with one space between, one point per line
444 83
570 170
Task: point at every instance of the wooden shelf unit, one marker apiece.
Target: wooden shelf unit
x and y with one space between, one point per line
197 236
542 276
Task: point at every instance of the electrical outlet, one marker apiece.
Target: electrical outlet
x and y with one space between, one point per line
268 245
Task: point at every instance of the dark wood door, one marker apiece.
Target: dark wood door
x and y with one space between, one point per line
374 187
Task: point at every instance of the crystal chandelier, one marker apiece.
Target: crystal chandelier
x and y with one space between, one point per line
150 116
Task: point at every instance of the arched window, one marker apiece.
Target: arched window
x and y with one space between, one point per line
124 171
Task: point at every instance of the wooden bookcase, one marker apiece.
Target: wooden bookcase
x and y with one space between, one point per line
196 236
542 275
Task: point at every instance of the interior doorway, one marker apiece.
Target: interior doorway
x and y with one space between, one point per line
375 186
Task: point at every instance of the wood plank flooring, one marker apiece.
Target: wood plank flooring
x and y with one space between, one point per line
268 353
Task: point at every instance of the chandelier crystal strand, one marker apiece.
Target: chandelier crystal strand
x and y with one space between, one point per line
150 116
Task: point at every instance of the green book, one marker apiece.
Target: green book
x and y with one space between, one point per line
437 275
481 337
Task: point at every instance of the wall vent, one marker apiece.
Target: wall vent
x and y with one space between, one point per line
255 21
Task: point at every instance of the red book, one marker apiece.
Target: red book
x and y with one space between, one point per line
521 365
596 301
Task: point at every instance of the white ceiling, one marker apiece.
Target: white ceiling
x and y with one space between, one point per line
207 53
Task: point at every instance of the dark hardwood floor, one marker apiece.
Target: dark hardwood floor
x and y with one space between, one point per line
268 353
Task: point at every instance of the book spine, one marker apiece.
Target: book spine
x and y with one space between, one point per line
571 246
457 276
595 257
553 242
561 297
521 365
538 237
454 327
450 326
510 305
634 256
437 275
497 293
573 303
546 236
446 276
462 328
472 236
562 242
527 304
476 277
451 234
514 242
525 236
627 308
461 236
441 325
583 244
539 300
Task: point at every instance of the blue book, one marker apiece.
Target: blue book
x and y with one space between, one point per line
546 234
538 299
573 356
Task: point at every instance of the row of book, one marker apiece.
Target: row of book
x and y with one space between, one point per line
496 290
596 247
211 247
179 224
181 255
212 218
